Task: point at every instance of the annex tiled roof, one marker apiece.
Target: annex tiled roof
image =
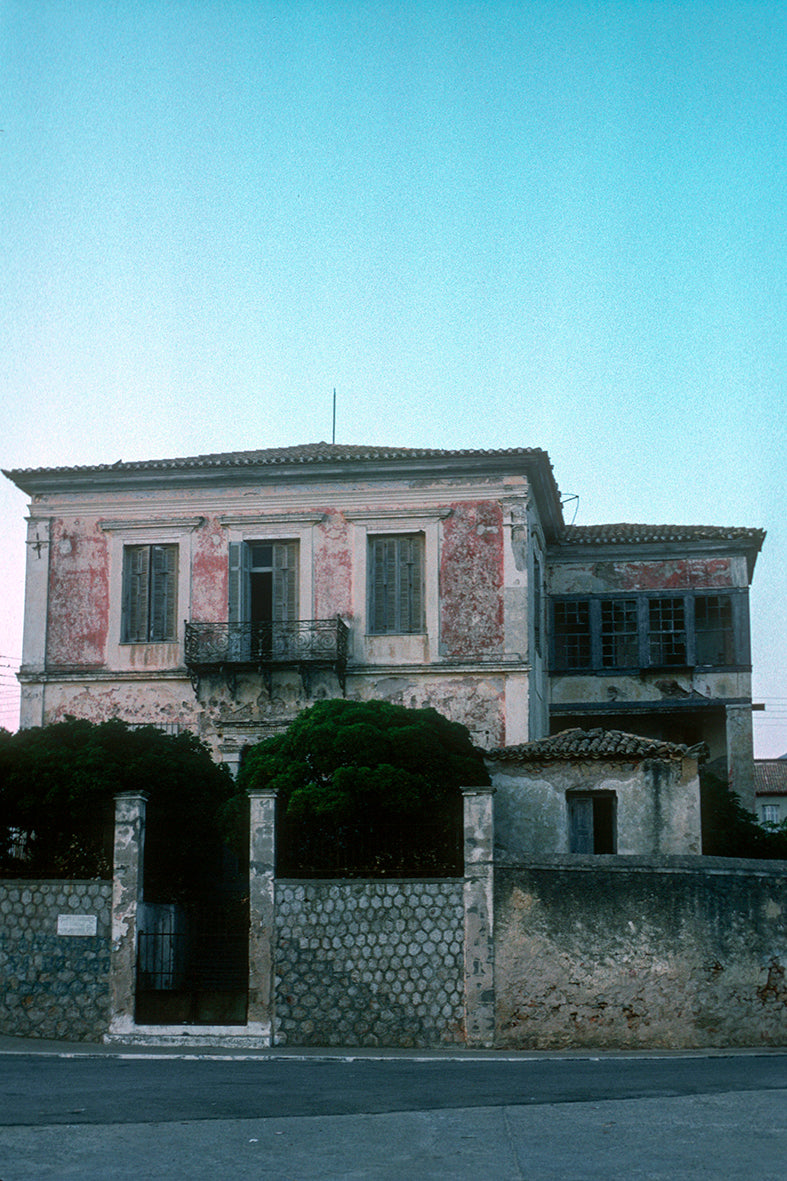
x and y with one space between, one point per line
608 745
624 533
305 453
770 777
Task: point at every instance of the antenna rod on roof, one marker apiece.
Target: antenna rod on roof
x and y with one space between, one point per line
333 432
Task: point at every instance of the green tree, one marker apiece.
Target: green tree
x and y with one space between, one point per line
729 830
58 783
367 776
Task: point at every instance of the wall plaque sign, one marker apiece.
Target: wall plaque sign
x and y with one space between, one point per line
77 924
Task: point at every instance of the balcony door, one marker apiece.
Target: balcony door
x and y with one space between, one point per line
263 593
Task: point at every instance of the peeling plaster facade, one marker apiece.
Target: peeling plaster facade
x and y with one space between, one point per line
495 556
475 516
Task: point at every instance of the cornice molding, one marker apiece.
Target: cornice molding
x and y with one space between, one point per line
426 512
148 523
274 518
233 502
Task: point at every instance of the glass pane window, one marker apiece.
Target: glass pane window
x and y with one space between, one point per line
619 633
572 634
667 620
713 633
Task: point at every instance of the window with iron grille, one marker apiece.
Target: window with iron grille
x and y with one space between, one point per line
714 637
571 623
667 631
150 581
619 633
396 584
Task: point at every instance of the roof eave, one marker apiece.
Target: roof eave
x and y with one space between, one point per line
534 465
567 551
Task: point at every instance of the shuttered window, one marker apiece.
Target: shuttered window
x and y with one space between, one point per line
150 585
396 584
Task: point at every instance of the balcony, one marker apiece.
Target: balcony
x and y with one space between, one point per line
229 648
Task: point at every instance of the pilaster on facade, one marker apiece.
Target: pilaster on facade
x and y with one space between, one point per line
740 744
479 947
36 595
262 913
129 855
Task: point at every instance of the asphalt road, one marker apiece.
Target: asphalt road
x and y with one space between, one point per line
37 1091
393 1118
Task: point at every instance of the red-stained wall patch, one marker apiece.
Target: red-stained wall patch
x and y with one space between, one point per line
471 580
333 561
210 573
677 574
78 618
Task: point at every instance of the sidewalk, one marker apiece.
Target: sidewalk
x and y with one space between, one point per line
65 1049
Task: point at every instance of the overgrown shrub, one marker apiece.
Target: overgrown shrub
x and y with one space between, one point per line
57 789
367 787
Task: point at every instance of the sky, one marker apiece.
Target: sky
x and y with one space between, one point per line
558 225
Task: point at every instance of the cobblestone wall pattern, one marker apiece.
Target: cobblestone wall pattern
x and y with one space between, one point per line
54 986
369 963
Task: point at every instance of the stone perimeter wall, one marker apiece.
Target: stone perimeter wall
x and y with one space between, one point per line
622 953
369 963
54 985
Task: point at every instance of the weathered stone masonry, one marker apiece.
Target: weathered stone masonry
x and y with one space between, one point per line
54 983
617 952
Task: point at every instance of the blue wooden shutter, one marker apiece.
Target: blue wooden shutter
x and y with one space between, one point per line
411 573
580 824
163 565
136 561
285 581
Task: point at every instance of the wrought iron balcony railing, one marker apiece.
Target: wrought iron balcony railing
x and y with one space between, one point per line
231 646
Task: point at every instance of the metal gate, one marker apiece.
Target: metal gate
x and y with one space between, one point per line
194 968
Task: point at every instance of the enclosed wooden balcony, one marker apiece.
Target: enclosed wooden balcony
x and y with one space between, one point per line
229 648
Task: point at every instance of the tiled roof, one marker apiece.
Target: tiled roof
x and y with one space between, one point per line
770 777
305 453
624 533
612 746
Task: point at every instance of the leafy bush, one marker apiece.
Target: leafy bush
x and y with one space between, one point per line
367 787
729 830
57 789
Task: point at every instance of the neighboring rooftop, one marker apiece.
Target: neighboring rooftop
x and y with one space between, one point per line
612 746
770 777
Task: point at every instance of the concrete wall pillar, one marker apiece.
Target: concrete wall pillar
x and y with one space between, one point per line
129 862
740 754
479 916
262 912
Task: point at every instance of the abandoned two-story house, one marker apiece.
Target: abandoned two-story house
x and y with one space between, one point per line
224 593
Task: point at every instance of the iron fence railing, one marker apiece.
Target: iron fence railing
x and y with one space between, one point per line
306 641
171 961
431 846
